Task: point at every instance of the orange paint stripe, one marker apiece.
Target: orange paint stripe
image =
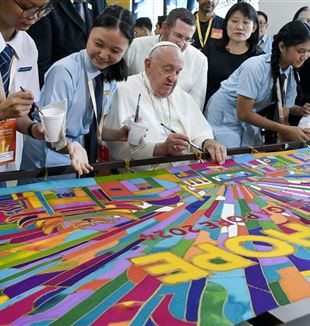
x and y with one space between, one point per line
295 286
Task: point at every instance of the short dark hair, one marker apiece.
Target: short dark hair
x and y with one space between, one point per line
119 18
161 19
248 11
300 10
180 13
261 13
144 22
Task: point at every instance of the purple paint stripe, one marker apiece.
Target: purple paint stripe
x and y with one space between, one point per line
261 301
84 204
256 278
273 261
229 196
66 275
55 312
29 283
169 191
301 264
130 186
95 267
161 225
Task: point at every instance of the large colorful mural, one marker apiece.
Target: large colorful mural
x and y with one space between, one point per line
195 244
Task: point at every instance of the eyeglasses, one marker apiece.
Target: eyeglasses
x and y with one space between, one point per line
39 12
181 37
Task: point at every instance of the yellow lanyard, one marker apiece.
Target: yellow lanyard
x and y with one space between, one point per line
201 40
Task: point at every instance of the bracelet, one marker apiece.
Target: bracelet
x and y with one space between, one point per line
29 130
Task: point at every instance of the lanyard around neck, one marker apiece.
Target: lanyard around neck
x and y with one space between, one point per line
201 40
282 117
91 89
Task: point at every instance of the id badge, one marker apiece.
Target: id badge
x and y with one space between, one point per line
216 33
7 141
103 153
103 156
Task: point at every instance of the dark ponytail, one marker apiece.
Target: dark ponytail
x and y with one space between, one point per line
291 34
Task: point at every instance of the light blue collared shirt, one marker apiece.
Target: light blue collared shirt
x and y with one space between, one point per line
266 43
253 79
67 79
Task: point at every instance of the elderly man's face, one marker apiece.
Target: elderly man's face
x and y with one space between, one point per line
181 33
163 70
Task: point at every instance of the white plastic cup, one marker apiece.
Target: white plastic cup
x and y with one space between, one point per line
136 132
52 121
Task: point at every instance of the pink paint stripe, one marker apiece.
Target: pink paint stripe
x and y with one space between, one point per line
11 313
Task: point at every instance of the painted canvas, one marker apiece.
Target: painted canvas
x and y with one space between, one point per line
196 244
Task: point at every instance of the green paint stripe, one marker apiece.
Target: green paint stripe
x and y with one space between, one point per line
259 202
284 160
9 226
91 302
268 225
302 214
252 224
93 197
181 248
279 294
129 176
244 207
211 309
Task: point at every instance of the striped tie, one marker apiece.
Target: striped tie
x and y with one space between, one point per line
5 62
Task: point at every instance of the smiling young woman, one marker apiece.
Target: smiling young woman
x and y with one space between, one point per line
87 79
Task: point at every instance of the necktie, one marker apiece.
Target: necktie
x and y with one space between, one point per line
5 62
91 139
79 9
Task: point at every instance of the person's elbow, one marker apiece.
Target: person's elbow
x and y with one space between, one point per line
242 114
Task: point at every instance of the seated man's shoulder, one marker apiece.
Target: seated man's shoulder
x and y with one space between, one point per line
194 55
131 82
144 41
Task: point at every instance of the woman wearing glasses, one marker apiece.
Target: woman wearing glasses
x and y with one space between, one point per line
18 68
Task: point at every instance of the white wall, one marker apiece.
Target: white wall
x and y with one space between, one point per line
280 12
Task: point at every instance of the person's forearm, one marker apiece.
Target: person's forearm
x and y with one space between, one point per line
160 150
262 122
23 123
111 134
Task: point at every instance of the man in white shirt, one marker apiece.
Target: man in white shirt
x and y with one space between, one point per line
265 41
162 103
178 28
15 18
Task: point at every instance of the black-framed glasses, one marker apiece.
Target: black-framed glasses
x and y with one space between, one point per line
181 37
38 11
